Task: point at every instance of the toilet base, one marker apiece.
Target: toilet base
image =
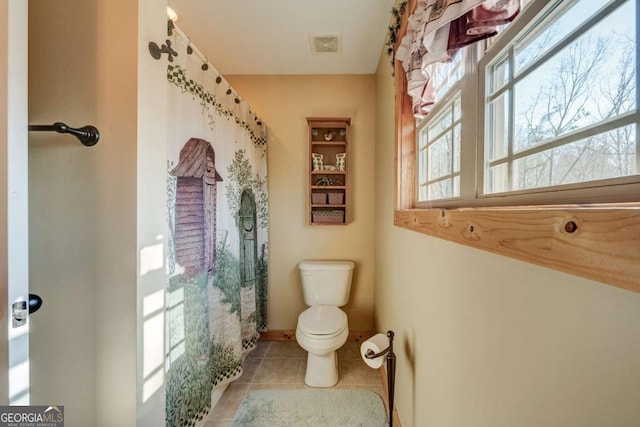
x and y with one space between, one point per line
322 370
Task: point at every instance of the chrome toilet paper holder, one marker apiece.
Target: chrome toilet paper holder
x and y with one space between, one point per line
391 370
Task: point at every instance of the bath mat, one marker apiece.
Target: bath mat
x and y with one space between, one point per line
310 408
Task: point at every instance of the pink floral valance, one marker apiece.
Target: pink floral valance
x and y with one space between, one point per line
437 29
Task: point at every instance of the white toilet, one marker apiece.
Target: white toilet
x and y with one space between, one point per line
322 328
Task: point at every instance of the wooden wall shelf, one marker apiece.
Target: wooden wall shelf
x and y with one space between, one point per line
328 189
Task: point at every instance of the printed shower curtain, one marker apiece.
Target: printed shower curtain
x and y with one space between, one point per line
217 228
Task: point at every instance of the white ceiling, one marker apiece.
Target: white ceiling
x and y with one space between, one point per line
272 36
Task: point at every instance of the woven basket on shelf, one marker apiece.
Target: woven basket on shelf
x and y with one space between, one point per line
319 198
328 217
336 198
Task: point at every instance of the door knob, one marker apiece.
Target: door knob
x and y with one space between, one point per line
35 302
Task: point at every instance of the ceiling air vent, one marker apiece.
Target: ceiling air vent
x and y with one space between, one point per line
323 44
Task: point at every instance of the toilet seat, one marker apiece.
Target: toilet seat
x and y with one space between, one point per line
322 322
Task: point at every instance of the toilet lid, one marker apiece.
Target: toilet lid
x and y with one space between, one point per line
322 320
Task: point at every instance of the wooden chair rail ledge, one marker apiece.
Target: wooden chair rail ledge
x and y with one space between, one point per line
600 243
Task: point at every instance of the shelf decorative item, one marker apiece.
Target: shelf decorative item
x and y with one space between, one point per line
329 136
328 181
341 161
323 181
317 160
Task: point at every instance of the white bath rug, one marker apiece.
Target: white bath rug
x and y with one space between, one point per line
310 408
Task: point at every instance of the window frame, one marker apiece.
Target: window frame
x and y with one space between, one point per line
596 241
446 103
604 190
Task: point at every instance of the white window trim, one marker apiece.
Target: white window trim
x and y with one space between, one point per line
446 103
467 87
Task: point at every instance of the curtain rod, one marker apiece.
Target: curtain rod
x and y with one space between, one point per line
88 135
157 51
194 48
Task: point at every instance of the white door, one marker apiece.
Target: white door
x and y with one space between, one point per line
14 253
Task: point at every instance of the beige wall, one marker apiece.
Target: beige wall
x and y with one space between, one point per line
284 102
83 69
485 340
115 280
63 195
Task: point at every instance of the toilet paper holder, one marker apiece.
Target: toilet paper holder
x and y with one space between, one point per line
391 370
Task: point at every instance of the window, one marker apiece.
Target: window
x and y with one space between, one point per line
548 114
439 154
553 181
561 102
439 135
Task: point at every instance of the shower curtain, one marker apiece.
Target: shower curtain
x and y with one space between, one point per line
217 233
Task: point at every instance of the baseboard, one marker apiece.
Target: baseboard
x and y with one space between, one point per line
290 335
278 336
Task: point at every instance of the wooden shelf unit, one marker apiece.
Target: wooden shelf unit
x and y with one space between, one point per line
328 188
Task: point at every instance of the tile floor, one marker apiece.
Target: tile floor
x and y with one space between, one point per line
281 365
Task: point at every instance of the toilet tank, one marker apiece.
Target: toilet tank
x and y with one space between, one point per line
326 282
